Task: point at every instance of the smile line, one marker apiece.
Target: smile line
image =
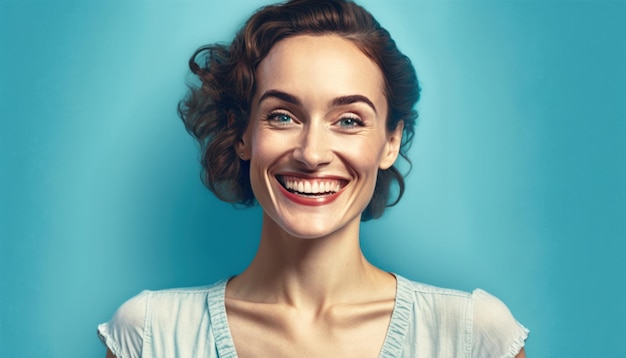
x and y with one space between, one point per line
310 186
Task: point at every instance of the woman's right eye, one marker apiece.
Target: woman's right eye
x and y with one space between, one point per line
280 119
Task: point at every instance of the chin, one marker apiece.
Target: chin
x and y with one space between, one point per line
309 235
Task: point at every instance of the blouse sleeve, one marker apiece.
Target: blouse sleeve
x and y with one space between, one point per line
123 334
496 333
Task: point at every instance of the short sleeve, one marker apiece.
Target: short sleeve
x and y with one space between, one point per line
496 333
123 334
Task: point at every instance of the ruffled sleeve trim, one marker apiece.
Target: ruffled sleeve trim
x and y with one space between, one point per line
496 333
124 333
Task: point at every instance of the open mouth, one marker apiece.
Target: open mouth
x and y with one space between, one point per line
311 188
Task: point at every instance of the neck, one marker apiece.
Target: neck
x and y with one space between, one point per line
308 272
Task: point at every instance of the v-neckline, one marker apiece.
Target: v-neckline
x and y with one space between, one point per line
394 338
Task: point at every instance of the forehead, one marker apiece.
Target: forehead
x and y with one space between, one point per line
319 65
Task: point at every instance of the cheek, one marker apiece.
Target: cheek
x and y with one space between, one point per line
365 155
265 146
267 149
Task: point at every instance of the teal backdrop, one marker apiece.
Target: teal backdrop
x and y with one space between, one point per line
518 183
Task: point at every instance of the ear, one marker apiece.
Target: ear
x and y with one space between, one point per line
392 147
242 148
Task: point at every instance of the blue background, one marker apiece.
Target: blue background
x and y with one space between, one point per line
518 184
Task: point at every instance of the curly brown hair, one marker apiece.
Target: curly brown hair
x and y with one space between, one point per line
216 113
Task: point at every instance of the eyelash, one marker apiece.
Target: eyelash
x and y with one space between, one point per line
274 117
357 122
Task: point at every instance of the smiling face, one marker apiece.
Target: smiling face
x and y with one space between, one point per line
316 136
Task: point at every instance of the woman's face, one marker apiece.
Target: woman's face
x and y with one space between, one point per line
317 136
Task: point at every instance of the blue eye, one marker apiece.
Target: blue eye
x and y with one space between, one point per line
279 118
283 118
350 122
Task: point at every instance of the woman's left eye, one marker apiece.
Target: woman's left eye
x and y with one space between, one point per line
350 122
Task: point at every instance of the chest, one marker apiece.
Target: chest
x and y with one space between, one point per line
259 331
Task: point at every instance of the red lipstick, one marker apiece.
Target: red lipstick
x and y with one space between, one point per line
310 200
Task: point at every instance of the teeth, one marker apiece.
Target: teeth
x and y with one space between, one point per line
311 186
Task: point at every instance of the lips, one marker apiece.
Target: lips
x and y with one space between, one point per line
311 191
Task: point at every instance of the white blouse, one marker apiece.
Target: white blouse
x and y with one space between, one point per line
427 322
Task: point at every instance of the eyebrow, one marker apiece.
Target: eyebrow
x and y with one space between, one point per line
344 100
280 95
338 101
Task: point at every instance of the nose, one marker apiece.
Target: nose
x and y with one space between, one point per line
314 148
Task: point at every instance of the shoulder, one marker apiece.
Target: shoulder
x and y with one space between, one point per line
477 319
442 311
494 327
124 333
134 321
439 298
177 301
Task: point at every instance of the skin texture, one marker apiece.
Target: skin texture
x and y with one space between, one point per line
310 291
319 112
313 138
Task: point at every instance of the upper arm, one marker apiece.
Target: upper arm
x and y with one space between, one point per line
495 329
123 334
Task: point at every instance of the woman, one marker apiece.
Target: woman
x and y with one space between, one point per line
306 112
